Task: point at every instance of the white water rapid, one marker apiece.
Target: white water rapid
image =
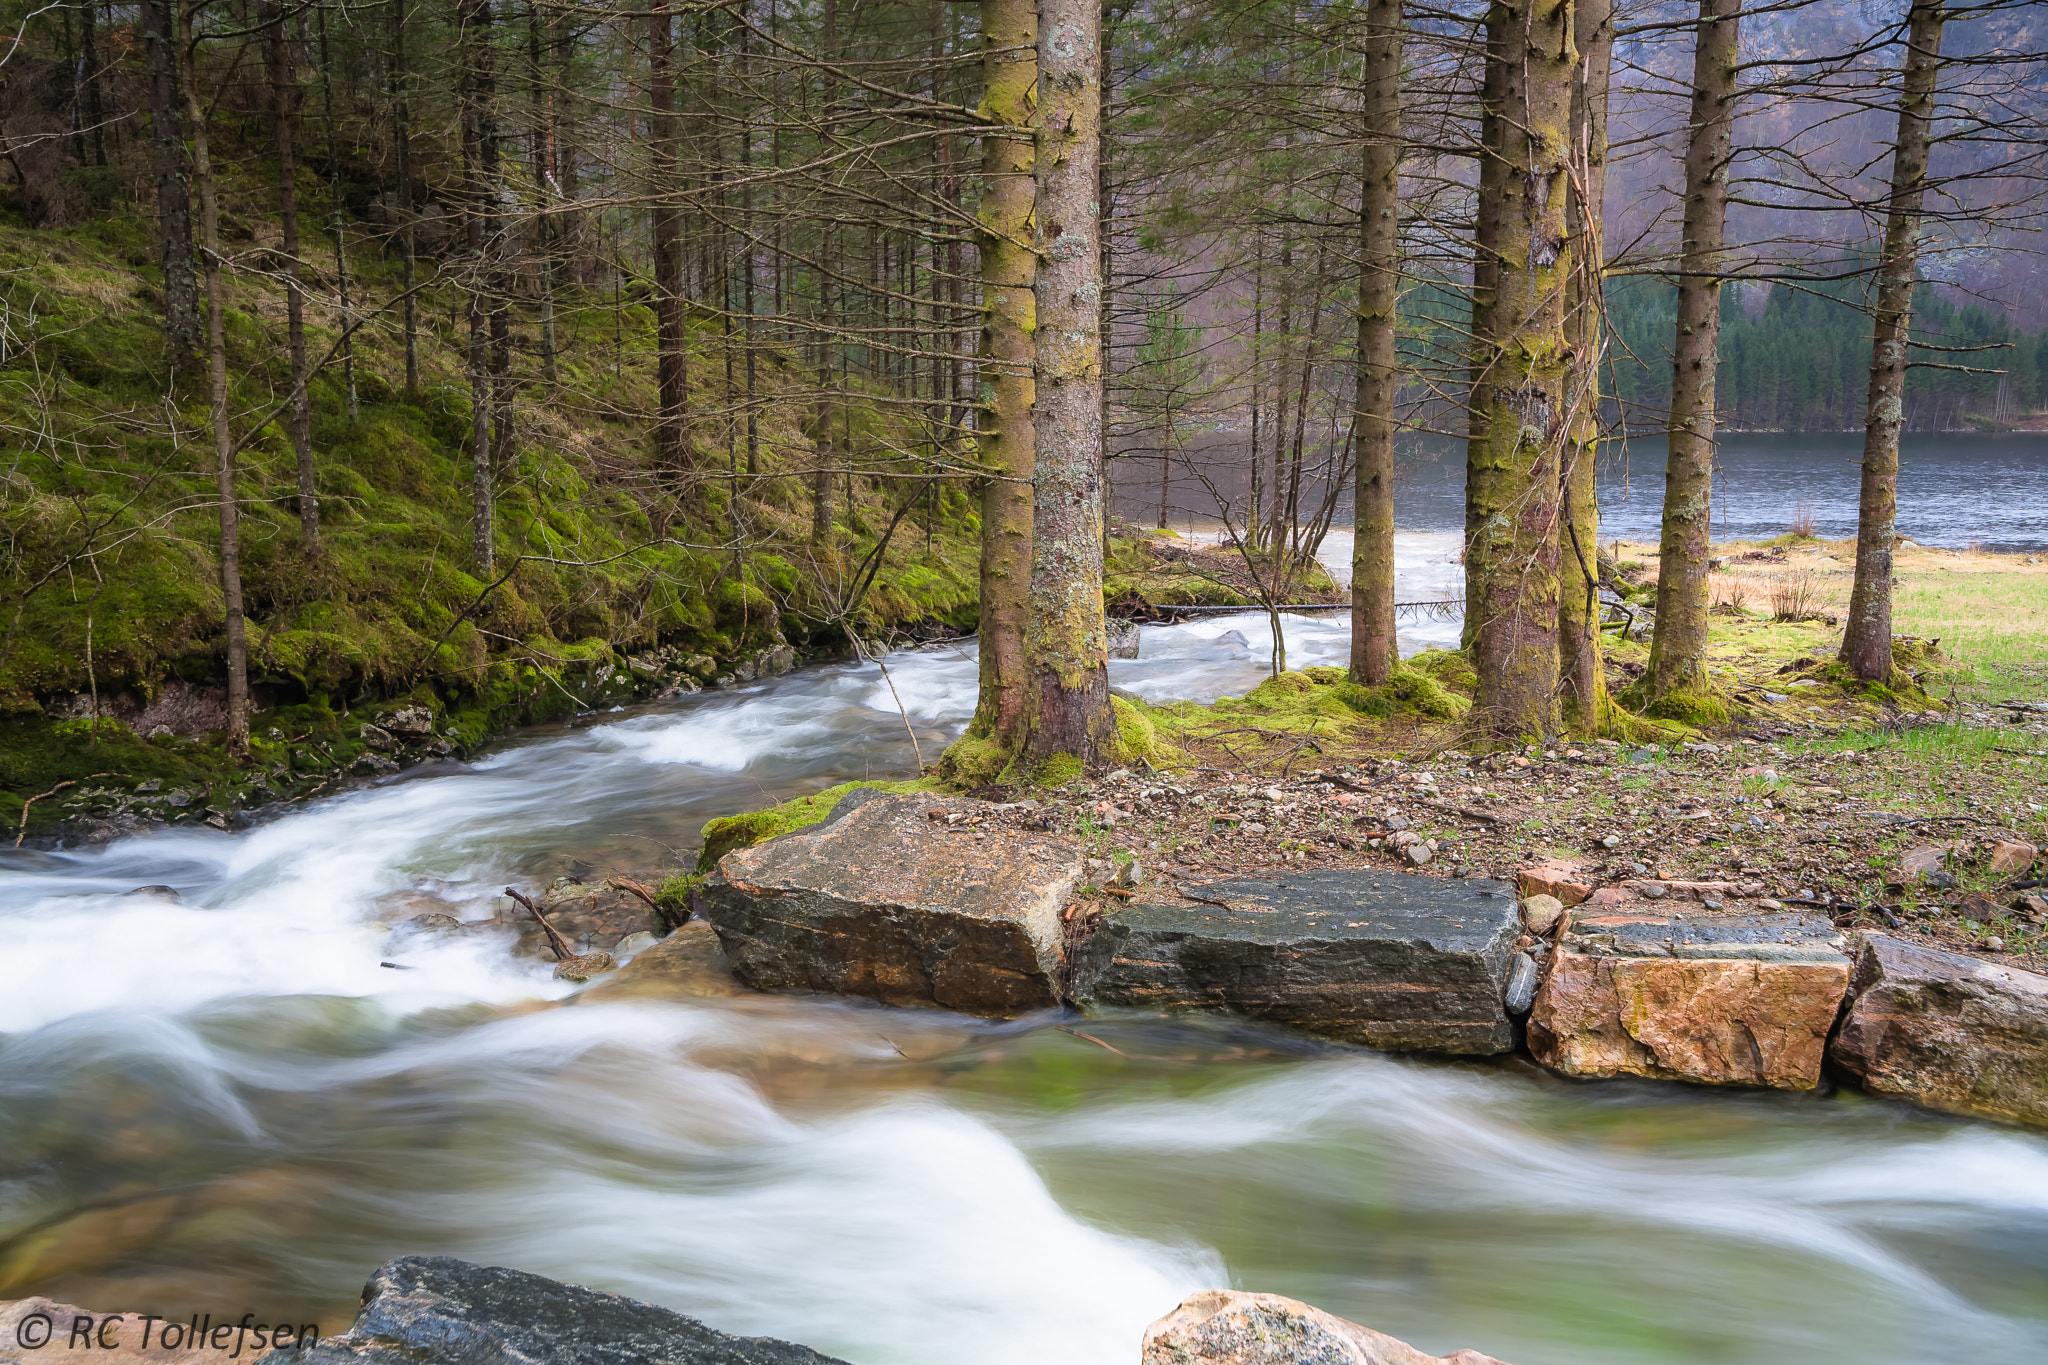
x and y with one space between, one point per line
224 1103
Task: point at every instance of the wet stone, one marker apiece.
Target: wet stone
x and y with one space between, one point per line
1383 959
1947 1031
1744 999
892 899
433 1310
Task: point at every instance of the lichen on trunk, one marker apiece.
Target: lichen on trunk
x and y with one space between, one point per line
1525 388
1678 649
1867 640
1067 714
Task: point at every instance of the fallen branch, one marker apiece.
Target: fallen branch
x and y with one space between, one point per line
1090 1037
21 832
1469 812
555 940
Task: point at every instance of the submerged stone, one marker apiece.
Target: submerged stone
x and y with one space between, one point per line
1228 1327
434 1310
1388 960
904 899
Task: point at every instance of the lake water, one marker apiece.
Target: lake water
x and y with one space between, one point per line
1954 489
225 1103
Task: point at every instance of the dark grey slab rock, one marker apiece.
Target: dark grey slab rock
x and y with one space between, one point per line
1770 936
909 900
1946 1031
1386 959
434 1310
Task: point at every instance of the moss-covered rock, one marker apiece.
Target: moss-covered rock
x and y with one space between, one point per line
728 832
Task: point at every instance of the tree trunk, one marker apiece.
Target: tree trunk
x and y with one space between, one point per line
1004 427
95 104
1373 651
217 417
1580 671
173 194
1066 646
335 224
1487 209
1678 651
283 102
401 82
477 92
545 249
1867 642
671 432
1525 391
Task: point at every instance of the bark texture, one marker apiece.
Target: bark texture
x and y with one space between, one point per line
173 192
1066 645
478 133
1867 641
1487 207
283 112
1004 431
217 417
1524 391
1678 650
671 432
1373 651
1583 679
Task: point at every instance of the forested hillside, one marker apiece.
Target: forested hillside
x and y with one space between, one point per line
1801 361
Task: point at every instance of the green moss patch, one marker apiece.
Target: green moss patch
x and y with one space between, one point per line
728 832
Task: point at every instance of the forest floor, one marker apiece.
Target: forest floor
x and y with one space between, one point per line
1812 795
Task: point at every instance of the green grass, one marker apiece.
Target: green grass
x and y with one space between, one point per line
1994 625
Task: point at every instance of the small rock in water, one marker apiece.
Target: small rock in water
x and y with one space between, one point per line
584 966
631 944
1226 1327
169 893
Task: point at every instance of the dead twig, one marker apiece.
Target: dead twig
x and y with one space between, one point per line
21 832
662 914
1091 1038
555 940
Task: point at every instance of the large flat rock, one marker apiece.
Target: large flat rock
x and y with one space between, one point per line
1386 959
888 900
1712 998
433 1310
1229 1327
1947 1031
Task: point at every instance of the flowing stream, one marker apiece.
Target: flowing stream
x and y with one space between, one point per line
225 1104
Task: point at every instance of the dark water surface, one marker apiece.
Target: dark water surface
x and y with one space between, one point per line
225 1104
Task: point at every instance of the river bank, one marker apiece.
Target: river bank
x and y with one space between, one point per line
233 1101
